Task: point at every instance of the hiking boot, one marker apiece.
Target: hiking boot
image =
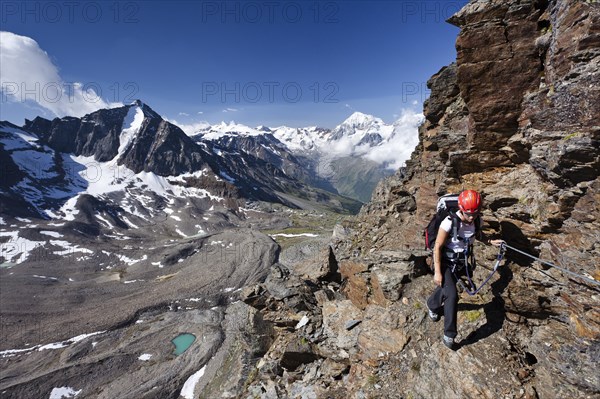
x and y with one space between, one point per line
433 315
449 342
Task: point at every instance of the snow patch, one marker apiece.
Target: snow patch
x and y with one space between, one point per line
190 384
69 248
36 164
51 233
131 125
54 345
17 139
126 220
17 249
130 261
110 226
181 233
46 277
227 177
294 235
64 392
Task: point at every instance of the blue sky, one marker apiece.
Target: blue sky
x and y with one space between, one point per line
295 63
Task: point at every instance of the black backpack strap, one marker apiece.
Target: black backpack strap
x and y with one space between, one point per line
455 225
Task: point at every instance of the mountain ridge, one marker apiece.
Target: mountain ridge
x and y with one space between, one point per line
158 146
135 139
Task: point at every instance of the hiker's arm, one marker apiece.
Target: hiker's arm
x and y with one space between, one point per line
437 256
488 241
481 236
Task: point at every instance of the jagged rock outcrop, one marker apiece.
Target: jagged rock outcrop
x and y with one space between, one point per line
515 118
158 146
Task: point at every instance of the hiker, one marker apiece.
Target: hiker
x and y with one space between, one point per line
454 239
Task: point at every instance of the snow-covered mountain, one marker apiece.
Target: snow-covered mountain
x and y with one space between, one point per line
134 162
124 166
355 135
360 129
349 159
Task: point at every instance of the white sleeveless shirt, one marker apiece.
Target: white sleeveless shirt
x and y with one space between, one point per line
464 231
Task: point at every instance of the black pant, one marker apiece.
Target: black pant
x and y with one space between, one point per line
446 296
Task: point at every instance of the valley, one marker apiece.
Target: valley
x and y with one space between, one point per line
104 319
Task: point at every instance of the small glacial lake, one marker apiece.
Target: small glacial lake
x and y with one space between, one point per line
182 342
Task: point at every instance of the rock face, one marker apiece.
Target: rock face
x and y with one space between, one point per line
515 117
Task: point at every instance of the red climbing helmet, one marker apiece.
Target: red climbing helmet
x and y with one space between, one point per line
469 201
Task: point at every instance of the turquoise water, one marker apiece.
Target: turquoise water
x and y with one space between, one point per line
182 342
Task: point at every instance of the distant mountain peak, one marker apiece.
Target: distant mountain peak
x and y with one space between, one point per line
149 112
360 120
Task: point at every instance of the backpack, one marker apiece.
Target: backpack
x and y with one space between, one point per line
447 206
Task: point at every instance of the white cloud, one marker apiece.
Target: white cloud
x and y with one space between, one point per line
230 110
190 128
401 145
184 114
200 112
341 147
29 75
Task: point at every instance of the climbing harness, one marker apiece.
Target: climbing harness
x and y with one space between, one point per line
562 269
503 247
467 254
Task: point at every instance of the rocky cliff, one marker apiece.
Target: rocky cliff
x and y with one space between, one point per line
516 118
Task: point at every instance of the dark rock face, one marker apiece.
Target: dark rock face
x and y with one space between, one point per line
96 134
444 89
258 151
164 149
11 174
158 147
497 64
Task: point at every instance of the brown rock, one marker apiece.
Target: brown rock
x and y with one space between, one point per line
322 267
380 334
356 288
349 268
333 369
387 281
